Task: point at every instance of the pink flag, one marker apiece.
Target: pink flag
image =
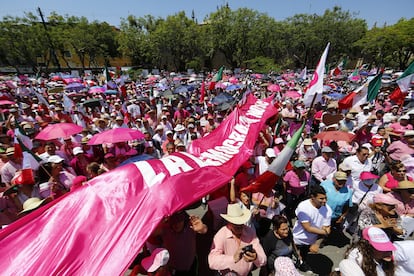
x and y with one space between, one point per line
99 228
316 85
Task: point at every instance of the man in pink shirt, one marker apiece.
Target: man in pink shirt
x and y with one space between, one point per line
236 247
402 147
322 166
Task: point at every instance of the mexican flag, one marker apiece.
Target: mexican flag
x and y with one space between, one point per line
354 76
217 77
404 81
339 68
266 181
316 84
364 94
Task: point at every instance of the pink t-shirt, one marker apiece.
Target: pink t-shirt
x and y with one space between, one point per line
296 185
397 128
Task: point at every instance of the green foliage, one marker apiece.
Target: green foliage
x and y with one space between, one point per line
262 65
243 37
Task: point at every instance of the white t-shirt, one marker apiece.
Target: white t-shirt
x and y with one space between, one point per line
357 167
355 255
403 258
306 212
359 191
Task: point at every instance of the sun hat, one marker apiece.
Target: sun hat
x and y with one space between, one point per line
236 215
350 116
327 150
119 118
384 198
10 151
299 164
409 133
77 150
270 153
33 203
284 267
403 185
84 140
308 142
159 257
340 176
179 127
405 117
55 159
378 239
159 127
368 175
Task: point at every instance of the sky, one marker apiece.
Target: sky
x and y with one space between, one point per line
373 11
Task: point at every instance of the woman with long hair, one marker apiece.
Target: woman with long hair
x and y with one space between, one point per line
372 254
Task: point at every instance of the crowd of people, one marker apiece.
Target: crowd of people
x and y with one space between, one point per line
358 184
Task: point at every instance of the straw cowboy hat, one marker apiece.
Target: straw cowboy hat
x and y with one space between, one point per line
404 185
33 203
236 215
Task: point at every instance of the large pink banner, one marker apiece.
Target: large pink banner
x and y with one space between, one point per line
99 228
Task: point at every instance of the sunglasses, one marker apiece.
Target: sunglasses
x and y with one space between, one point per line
402 171
411 190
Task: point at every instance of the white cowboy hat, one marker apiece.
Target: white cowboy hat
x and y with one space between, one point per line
236 215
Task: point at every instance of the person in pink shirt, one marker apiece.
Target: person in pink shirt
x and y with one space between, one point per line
402 147
236 248
322 166
295 183
401 126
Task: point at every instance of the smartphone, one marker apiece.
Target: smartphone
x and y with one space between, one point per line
248 248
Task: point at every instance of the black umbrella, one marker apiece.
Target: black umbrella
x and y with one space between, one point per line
92 103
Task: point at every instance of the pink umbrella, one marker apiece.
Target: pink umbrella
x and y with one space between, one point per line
60 130
233 80
116 135
4 102
273 88
292 94
220 85
97 89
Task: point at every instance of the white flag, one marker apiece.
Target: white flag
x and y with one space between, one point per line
316 84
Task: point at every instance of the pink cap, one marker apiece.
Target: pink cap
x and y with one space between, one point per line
378 239
368 175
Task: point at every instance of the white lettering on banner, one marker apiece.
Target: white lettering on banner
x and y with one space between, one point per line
257 109
175 165
211 157
228 150
200 163
231 146
148 174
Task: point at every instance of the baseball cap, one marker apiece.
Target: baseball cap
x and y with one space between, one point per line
340 176
279 141
299 164
270 152
327 150
55 159
159 257
77 150
368 175
378 239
